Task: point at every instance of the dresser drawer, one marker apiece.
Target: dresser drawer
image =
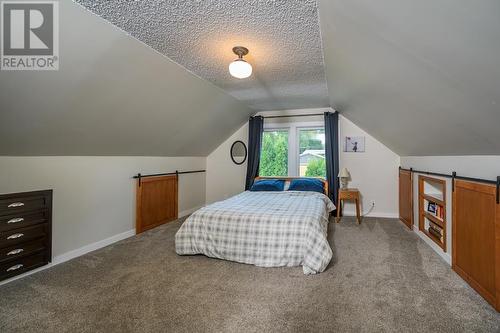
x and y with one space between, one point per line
22 235
13 205
21 220
21 265
22 250
25 231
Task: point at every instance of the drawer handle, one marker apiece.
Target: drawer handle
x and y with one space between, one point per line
16 204
16 220
15 267
16 251
14 236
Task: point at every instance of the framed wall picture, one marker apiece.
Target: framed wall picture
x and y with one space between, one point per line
354 144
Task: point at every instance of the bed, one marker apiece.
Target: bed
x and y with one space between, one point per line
267 229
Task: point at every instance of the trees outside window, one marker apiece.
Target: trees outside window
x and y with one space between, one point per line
312 152
274 154
316 168
307 157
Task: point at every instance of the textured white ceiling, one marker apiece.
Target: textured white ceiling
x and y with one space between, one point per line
283 38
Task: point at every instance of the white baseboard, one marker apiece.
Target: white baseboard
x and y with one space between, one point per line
89 248
92 247
76 253
374 214
433 245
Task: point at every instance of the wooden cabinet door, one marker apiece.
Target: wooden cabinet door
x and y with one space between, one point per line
406 197
156 202
476 238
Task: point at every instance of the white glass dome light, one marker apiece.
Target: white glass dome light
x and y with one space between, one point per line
240 68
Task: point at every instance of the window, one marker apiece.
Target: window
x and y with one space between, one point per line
274 154
312 161
294 149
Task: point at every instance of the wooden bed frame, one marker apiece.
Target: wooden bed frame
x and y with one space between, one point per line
324 181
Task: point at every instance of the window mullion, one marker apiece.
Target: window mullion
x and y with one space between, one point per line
292 152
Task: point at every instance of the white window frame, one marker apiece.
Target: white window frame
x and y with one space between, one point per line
293 140
280 128
298 144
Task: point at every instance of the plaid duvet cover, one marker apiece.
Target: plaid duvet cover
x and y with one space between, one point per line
267 229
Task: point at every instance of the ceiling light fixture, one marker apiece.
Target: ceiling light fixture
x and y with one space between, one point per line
240 68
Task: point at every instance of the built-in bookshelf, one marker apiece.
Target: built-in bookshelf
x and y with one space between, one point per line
432 209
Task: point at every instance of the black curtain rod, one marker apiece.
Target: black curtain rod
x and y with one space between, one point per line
454 176
294 115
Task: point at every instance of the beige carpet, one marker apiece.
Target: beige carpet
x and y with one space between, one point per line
383 279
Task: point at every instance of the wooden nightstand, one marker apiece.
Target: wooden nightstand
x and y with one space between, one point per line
348 194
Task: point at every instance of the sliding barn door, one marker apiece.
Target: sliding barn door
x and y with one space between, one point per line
476 238
156 201
406 197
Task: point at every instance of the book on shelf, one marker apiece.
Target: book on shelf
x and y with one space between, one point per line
440 212
435 226
435 233
435 210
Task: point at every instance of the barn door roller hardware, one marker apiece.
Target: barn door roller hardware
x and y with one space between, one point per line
454 176
177 173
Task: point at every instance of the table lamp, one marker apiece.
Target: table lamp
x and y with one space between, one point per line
344 177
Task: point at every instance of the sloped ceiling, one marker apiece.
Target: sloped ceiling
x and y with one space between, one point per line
283 38
113 95
421 76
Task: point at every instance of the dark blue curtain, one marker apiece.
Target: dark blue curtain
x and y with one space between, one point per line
332 153
255 126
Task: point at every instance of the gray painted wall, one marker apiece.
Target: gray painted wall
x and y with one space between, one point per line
94 196
487 167
113 95
423 77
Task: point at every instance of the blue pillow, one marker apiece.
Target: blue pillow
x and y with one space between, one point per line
268 185
306 184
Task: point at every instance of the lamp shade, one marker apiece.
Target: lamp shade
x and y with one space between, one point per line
344 173
240 69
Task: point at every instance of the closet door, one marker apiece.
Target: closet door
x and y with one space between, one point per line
156 202
406 197
476 238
